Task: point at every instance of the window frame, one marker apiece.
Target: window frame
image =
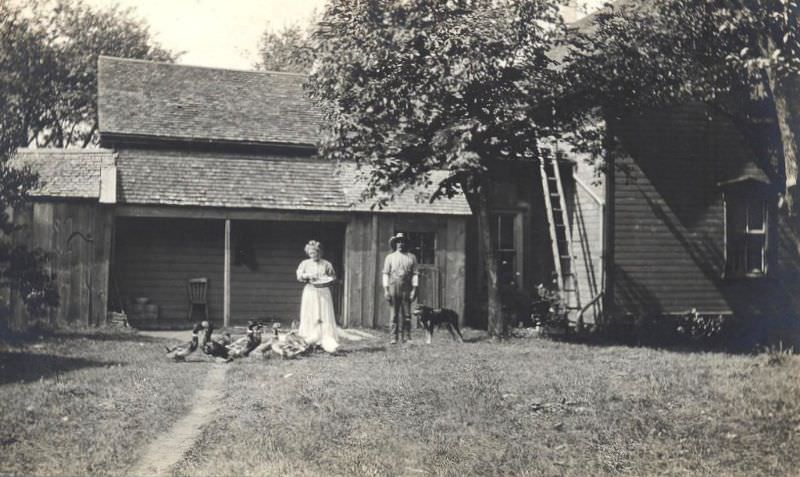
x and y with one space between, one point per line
745 199
516 217
419 256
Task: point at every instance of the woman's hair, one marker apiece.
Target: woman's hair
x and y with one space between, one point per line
313 245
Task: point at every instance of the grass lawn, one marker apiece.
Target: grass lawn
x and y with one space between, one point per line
530 407
84 403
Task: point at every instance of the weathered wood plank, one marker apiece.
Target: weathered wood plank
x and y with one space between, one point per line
226 277
41 236
454 285
354 279
23 218
386 228
371 267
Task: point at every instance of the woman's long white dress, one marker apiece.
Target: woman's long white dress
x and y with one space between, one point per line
317 319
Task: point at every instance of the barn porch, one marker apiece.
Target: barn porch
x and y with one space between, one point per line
249 260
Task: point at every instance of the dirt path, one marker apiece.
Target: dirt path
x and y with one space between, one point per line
168 448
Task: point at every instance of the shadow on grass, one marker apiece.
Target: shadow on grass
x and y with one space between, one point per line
629 340
121 337
478 339
364 350
103 334
20 366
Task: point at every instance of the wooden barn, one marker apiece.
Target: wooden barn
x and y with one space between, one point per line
71 217
218 179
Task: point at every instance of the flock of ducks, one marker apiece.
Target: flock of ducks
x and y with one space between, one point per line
254 343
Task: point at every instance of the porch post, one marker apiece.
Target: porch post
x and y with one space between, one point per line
226 287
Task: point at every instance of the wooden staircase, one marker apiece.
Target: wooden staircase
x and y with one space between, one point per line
560 235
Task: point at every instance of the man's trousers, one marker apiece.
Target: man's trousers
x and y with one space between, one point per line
400 303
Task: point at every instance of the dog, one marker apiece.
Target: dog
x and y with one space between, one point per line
428 317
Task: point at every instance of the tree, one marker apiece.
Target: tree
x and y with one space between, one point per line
48 96
421 85
289 50
739 57
21 268
57 95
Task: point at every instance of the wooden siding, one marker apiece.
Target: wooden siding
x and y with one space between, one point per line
586 220
668 218
77 235
156 257
269 289
366 246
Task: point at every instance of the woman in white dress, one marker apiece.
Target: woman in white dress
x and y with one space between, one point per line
317 320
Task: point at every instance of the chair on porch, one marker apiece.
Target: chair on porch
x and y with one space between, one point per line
197 296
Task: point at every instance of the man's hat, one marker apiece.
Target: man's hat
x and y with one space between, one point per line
397 238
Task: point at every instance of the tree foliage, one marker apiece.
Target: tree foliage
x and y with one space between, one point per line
739 57
289 49
421 85
48 56
48 96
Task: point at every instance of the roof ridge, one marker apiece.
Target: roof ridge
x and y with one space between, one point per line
182 65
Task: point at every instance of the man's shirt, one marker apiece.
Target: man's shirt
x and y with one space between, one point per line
400 267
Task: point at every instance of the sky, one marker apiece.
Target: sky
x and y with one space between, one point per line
218 33
221 33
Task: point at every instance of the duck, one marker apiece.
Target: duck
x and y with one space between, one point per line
180 352
243 346
216 348
264 348
289 345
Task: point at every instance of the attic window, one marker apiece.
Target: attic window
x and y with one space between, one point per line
747 222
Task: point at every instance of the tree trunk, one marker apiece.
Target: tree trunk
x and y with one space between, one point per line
783 112
479 201
787 115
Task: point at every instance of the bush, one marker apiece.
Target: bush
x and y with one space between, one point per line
691 328
777 355
548 310
516 306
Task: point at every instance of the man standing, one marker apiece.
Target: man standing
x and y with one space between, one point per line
400 281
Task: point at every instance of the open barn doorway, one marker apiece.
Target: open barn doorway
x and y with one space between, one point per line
154 259
265 256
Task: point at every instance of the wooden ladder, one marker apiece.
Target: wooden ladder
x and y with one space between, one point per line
560 234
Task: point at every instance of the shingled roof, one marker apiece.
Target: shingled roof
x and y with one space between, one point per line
159 100
235 180
406 202
66 173
228 180
162 100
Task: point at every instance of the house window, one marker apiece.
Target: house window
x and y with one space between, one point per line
747 224
422 245
504 225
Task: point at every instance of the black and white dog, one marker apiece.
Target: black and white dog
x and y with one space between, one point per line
428 317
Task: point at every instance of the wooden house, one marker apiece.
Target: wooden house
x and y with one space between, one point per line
210 173
692 224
